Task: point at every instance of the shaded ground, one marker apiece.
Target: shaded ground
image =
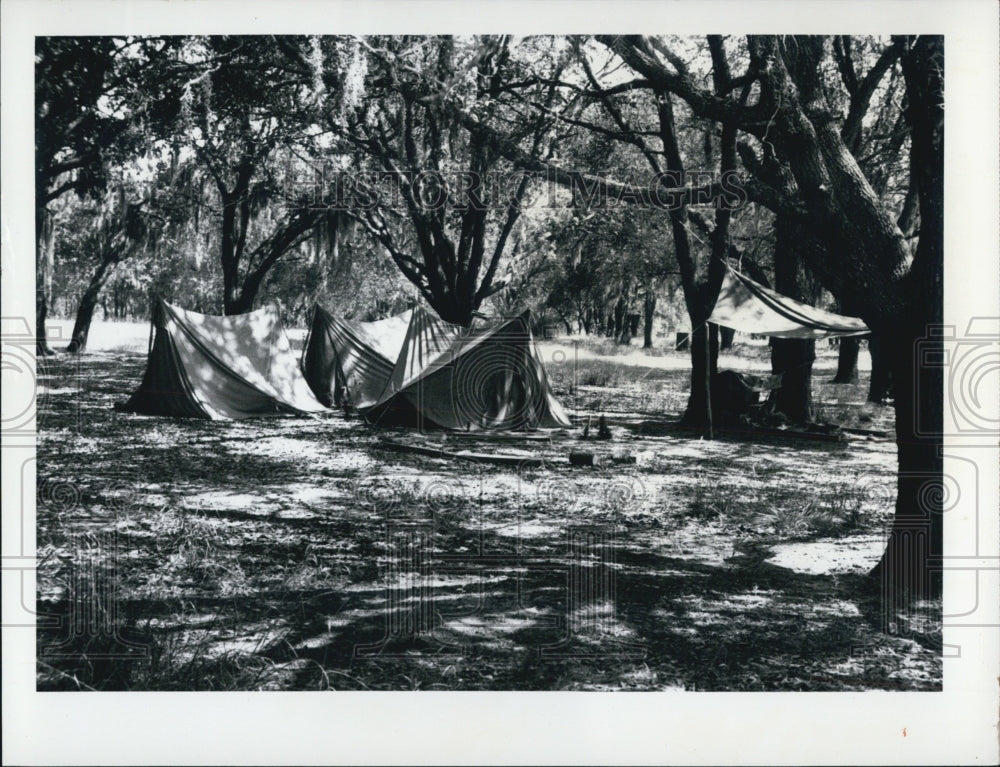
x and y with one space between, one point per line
300 554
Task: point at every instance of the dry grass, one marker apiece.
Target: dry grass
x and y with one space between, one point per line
295 554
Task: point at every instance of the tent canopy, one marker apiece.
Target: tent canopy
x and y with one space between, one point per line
204 366
350 362
749 307
455 378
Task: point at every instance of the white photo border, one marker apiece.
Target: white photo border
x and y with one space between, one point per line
957 725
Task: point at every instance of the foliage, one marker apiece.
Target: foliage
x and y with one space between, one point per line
243 121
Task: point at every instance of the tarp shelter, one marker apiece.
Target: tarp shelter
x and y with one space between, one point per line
749 307
455 378
204 366
350 362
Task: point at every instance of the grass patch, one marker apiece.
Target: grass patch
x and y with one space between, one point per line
294 554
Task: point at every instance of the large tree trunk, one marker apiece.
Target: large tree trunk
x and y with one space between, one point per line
704 346
88 302
880 385
847 361
792 358
242 302
910 566
235 221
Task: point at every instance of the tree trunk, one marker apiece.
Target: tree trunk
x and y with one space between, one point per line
630 327
792 358
618 319
233 237
881 384
43 266
633 324
726 336
908 568
704 346
565 322
88 302
847 361
243 302
911 565
42 348
231 289
648 312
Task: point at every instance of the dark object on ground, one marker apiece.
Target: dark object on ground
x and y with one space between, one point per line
732 397
625 459
603 432
599 459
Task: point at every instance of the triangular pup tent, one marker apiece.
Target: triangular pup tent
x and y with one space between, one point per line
749 307
350 362
204 366
469 380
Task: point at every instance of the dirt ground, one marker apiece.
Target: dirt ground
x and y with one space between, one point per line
302 554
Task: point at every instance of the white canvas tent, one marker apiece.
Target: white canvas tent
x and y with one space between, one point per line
350 362
749 307
454 378
205 366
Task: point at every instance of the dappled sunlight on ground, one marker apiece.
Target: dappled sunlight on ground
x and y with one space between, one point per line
299 553
854 554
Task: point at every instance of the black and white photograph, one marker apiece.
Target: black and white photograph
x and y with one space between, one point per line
435 354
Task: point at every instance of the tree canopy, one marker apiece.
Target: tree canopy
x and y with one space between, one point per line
580 175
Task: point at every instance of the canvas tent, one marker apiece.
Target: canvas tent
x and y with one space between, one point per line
204 366
455 378
350 362
749 307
